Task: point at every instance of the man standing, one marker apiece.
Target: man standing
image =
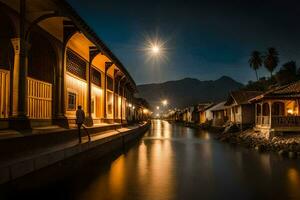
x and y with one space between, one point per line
80 116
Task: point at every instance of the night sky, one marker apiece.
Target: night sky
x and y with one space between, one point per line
205 39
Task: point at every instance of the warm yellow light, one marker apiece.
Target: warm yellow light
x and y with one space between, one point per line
96 90
164 102
133 107
145 111
157 107
157 115
155 49
290 111
130 105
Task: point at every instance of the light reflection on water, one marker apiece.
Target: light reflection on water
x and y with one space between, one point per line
176 162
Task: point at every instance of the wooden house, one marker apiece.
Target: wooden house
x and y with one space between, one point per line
240 110
277 111
220 114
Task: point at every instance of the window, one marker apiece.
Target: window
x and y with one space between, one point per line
71 101
76 65
96 77
278 108
110 83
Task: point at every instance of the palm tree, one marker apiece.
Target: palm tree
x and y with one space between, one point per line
271 60
255 61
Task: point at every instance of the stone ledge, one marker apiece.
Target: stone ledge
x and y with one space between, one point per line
20 168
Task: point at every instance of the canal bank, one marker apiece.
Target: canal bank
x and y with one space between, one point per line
175 162
286 146
65 156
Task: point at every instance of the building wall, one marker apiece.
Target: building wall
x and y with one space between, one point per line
79 88
43 88
248 114
202 117
208 115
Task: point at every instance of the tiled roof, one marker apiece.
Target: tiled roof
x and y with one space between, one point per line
204 106
219 106
293 88
243 97
287 91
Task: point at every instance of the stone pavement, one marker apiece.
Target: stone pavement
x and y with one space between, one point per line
22 153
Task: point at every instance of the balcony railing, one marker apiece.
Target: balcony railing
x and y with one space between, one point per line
285 121
263 120
39 99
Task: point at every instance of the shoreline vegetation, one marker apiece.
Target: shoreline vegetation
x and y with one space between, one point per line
285 146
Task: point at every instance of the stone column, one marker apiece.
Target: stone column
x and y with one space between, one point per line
119 82
107 66
261 113
69 29
19 119
114 97
255 113
123 94
16 70
93 52
270 112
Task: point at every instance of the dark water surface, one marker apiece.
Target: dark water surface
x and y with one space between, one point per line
176 162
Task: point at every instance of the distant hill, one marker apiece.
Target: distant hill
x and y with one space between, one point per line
188 91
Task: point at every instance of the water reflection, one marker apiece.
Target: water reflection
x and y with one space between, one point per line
293 182
177 162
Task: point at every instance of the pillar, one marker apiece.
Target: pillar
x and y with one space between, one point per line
255 113
69 29
261 113
107 66
123 94
93 52
270 112
114 96
19 119
119 83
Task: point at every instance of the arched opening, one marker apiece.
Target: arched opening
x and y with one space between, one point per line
6 63
6 49
278 108
258 110
266 109
42 62
41 58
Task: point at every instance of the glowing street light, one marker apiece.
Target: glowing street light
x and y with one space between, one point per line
165 102
157 107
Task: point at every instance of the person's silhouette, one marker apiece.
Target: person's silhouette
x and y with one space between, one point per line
80 116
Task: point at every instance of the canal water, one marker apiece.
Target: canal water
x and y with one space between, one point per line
176 162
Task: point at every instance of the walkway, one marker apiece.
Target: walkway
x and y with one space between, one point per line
39 149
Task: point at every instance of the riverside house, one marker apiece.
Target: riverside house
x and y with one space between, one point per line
205 114
187 114
240 111
220 114
278 111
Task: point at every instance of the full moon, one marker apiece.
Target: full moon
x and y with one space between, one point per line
155 49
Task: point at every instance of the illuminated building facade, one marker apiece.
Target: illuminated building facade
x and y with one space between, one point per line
51 61
278 110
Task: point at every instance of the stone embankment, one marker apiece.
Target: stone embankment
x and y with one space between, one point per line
288 146
61 150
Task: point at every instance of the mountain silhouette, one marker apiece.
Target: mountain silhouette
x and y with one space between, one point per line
188 91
